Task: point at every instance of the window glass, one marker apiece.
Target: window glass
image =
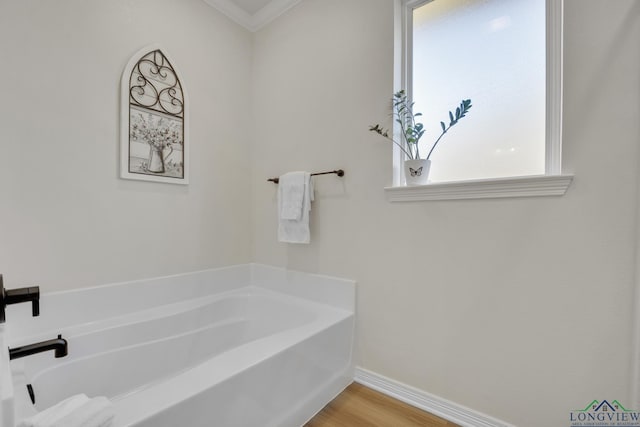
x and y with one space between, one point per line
492 52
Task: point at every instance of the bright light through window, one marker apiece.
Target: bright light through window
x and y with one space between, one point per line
492 52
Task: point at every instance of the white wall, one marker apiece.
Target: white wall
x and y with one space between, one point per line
518 308
66 219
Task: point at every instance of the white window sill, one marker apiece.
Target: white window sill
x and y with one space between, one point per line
524 186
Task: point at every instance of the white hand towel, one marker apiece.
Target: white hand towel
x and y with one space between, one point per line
297 231
76 411
50 415
97 412
291 188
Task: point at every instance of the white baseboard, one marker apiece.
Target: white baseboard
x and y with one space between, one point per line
443 408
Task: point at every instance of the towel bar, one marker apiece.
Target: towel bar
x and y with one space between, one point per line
338 172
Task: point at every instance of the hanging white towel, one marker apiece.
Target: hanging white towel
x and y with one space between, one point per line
76 411
296 230
291 188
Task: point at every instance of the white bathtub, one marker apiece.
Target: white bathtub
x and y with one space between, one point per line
241 346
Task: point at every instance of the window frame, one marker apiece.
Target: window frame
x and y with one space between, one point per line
483 188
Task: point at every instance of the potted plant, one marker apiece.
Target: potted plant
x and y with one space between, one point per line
410 131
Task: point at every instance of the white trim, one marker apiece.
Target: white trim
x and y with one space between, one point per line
634 391
403 72
634 388
524 186
553 147
233 11
451 411
399 78
272 11
254 22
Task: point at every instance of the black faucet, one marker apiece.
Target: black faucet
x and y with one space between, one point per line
15 296
59 346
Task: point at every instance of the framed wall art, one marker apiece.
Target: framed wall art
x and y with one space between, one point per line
154 143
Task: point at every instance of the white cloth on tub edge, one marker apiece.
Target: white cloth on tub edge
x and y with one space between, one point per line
76 411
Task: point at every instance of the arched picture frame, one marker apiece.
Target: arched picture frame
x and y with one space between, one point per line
154 143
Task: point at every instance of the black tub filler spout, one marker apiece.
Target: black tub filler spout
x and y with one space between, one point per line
58 345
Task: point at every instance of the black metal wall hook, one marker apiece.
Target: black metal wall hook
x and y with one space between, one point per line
338 172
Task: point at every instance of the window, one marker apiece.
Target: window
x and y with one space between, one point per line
505 55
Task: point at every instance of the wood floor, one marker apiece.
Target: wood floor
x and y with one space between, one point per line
359 406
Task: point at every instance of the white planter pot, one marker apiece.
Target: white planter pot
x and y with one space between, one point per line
416 172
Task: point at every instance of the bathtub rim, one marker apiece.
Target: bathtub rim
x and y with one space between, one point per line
7 391
160 311
323 289
164 392
327 291
312 313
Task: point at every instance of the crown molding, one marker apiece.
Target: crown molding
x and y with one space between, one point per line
232 10
254 22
